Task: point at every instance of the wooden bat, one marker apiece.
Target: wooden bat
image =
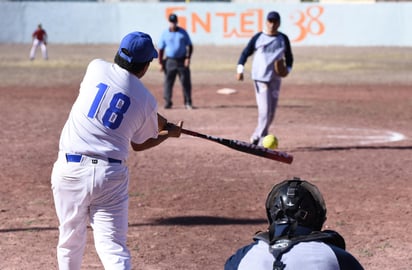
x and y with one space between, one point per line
244 147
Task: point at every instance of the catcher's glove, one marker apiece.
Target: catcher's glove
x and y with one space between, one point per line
281 68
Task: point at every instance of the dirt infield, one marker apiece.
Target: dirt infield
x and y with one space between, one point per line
345 114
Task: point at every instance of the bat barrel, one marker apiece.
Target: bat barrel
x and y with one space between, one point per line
244 147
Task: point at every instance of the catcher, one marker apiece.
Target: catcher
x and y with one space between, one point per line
273 60
296 213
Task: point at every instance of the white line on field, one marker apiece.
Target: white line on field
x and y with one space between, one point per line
363 135
330 135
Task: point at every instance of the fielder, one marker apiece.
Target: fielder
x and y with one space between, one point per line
39 39
268 47
296 212
112 112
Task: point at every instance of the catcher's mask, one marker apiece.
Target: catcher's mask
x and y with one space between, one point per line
296 202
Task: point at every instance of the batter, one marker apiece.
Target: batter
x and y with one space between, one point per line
90 178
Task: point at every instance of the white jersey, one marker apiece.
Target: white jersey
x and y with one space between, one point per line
112 109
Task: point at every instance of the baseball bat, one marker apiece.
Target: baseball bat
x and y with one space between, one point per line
244 147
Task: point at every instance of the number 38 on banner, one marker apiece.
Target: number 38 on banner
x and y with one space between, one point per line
308 22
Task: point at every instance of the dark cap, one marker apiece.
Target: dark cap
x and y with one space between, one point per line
173 18
273 16
137 47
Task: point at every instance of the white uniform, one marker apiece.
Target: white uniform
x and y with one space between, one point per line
90 177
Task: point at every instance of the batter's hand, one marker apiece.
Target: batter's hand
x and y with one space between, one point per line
169 130
239 76
172 130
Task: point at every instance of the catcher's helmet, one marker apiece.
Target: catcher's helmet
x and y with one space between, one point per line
296 201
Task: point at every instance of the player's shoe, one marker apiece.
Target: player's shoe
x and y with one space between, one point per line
254 141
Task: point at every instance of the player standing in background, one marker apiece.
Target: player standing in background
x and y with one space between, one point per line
296 212
176 46
39 37
112 112
268 47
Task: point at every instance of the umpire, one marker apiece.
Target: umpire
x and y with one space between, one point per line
176 45
296 212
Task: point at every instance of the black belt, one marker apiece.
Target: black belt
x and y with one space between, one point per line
176 59
77 158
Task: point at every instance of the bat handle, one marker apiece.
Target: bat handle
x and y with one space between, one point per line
191 133
187 132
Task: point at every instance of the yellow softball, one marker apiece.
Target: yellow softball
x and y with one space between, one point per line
270 141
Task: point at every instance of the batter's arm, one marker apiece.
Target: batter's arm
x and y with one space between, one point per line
161 122
166 130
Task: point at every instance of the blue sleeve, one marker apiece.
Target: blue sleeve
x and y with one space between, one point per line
288 51
248 50
233 262
346 260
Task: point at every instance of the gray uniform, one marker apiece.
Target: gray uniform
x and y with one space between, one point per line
325 253
266 49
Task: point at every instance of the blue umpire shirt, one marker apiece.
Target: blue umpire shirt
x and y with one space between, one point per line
175 43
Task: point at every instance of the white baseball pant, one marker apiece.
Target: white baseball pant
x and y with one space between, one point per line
96 191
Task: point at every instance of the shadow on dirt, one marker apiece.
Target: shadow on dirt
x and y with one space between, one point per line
29 229
183 221
206 220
